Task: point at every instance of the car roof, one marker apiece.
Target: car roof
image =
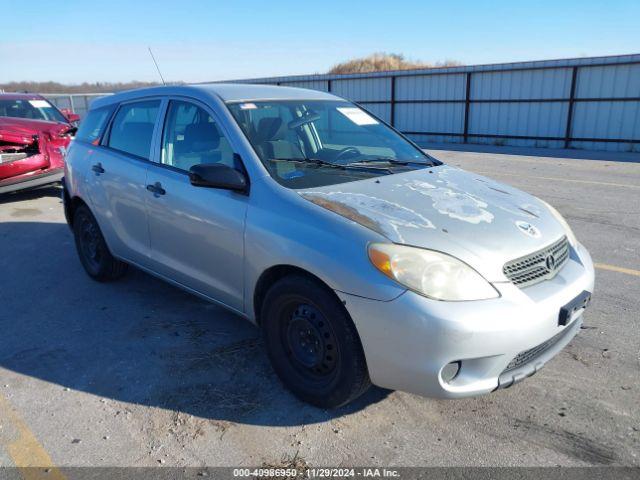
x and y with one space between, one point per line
20 96
234 92
227 92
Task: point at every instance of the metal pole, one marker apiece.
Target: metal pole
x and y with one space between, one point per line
572 98
392 119
329 121
467 104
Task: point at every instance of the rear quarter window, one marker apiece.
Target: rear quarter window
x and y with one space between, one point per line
92 127
132 128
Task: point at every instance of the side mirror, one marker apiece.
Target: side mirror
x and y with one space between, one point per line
216 175
69 115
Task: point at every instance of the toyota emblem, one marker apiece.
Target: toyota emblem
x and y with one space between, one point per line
550 263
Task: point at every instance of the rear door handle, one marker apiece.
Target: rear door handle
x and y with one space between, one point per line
156 189
98 168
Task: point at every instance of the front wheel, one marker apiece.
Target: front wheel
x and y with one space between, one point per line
312 343
92 249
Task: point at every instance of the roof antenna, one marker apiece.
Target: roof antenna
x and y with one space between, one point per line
157 67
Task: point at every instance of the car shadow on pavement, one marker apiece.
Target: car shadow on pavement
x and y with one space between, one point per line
31 194
137 340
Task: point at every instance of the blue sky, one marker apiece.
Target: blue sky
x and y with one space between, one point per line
198 40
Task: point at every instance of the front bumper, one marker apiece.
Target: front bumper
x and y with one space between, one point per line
407 341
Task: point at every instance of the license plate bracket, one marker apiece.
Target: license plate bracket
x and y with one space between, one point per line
578 303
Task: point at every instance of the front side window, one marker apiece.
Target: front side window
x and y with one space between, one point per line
132 128
192 137
93 125
33 109
310 143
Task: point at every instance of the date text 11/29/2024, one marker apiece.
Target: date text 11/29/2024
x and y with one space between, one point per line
316 472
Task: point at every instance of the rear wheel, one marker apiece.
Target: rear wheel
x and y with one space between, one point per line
92 249
312 343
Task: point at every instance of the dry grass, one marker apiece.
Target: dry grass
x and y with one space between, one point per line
287 462
380 62
233 352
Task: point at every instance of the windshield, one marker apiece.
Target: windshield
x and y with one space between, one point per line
34 109
310 143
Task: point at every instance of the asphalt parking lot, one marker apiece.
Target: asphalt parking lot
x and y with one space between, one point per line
140 373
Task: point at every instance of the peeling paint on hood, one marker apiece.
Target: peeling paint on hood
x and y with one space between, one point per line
455 204
444 208
380 215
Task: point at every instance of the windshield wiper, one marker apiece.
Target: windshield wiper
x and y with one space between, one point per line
391 161
313 161
323 163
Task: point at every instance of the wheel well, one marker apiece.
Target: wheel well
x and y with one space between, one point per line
70 208
271 276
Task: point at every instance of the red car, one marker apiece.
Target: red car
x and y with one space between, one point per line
34 136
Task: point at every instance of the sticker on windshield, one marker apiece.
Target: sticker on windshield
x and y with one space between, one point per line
39 103
248 106
357 116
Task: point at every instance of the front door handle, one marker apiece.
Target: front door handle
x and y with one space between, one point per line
97 168
156 189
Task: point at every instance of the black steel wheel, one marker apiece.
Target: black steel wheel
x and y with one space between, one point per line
92 248
312 342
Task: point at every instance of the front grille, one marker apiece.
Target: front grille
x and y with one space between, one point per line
528 355
538 266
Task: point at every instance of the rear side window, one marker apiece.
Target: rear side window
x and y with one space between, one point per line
92 126
132 128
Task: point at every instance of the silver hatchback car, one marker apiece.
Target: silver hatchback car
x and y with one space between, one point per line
363 259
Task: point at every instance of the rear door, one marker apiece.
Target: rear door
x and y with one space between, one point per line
196 233
117 178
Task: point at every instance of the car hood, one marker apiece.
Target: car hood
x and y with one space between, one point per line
476 219
21 130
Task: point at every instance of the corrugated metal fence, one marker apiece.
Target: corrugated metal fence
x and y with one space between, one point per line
586 103
76 102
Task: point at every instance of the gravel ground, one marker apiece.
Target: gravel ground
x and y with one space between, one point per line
140 373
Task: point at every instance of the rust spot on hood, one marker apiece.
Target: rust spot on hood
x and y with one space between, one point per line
346 211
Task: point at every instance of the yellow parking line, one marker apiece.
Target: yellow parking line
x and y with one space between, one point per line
608 184
613 268
24 449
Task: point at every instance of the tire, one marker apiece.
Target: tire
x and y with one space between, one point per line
312 343
92 248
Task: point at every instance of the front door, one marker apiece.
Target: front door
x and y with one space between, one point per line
196 233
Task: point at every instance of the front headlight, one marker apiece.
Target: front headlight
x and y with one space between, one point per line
429 273
556 214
